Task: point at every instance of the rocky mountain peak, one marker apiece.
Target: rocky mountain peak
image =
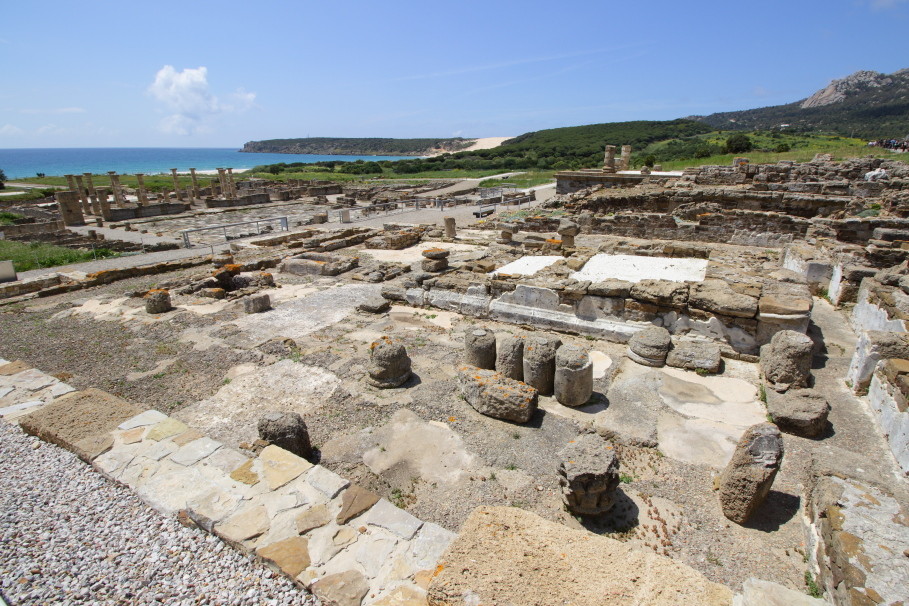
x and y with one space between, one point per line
838 90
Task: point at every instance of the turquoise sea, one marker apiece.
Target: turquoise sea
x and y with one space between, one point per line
21 163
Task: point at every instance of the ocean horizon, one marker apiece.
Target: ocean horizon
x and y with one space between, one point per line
27 162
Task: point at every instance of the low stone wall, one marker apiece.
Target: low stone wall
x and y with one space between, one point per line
615 311
31 229
887 396
246 200
149 210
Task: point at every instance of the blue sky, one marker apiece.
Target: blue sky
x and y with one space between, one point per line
200 73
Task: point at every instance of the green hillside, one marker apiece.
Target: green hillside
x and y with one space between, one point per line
356 146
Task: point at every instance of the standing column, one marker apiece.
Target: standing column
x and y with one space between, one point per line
173 173
93 196
232 183
215 190
140 181
70 210
192 174
222 181
103 205
609 160
625 160
71 183
86 204
115 188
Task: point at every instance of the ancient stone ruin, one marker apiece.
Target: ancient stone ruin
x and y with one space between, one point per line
688 387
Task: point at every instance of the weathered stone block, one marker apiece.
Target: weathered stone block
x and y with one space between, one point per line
494 395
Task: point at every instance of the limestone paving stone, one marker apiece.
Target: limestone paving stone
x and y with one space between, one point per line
33 380
385 515
278 466
131 436
245 473
225 459
186 437
354 501
316 516
13 368
148 417
8 411
341 589
195 451
428 545
212 506
248 522
325 481
165 429
291 555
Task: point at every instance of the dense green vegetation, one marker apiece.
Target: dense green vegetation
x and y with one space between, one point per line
356 146
35 255
2 179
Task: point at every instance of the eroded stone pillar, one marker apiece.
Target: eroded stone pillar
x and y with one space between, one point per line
231 183
70 209
450 230
222 182
93 196
103 204
609 159
192 174
115 188
625 160
140 181
179 194
86 203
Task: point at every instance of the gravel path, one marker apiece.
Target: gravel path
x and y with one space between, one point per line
70 536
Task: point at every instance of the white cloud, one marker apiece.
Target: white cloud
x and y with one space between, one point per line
49 129
8 130
188 98
54 110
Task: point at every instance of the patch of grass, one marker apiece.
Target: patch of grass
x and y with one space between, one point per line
8 218
492 476
35 255
226 381
762 393
811 585
523 181
516 436
714 559
702 372
625 478
159 375
511 467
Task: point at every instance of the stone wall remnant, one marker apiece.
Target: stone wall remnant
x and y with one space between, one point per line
69 207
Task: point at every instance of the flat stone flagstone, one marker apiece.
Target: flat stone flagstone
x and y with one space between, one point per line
280 467
166 428
149 417
385 515
195 451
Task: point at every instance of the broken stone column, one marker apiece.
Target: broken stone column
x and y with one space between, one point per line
510 356
625 159
115 188
493 395
573 383
90 184
69 207
747 479
539 363
389 364
609 159
786 360
222 183
86 203
567 230
650 346
450 231
436 259
480 348
800 412
506 233
70 182
192 175
176 179
645 170
140 185
286 430
157 301
588 475
255 304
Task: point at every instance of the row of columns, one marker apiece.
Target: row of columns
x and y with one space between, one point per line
609 160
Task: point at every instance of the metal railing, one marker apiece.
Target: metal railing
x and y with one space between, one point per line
235 231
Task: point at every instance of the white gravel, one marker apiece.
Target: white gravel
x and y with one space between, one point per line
70 536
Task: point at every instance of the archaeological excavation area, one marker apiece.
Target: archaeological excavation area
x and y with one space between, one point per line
652 388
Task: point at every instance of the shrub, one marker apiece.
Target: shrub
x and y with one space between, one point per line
738 143
782 147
